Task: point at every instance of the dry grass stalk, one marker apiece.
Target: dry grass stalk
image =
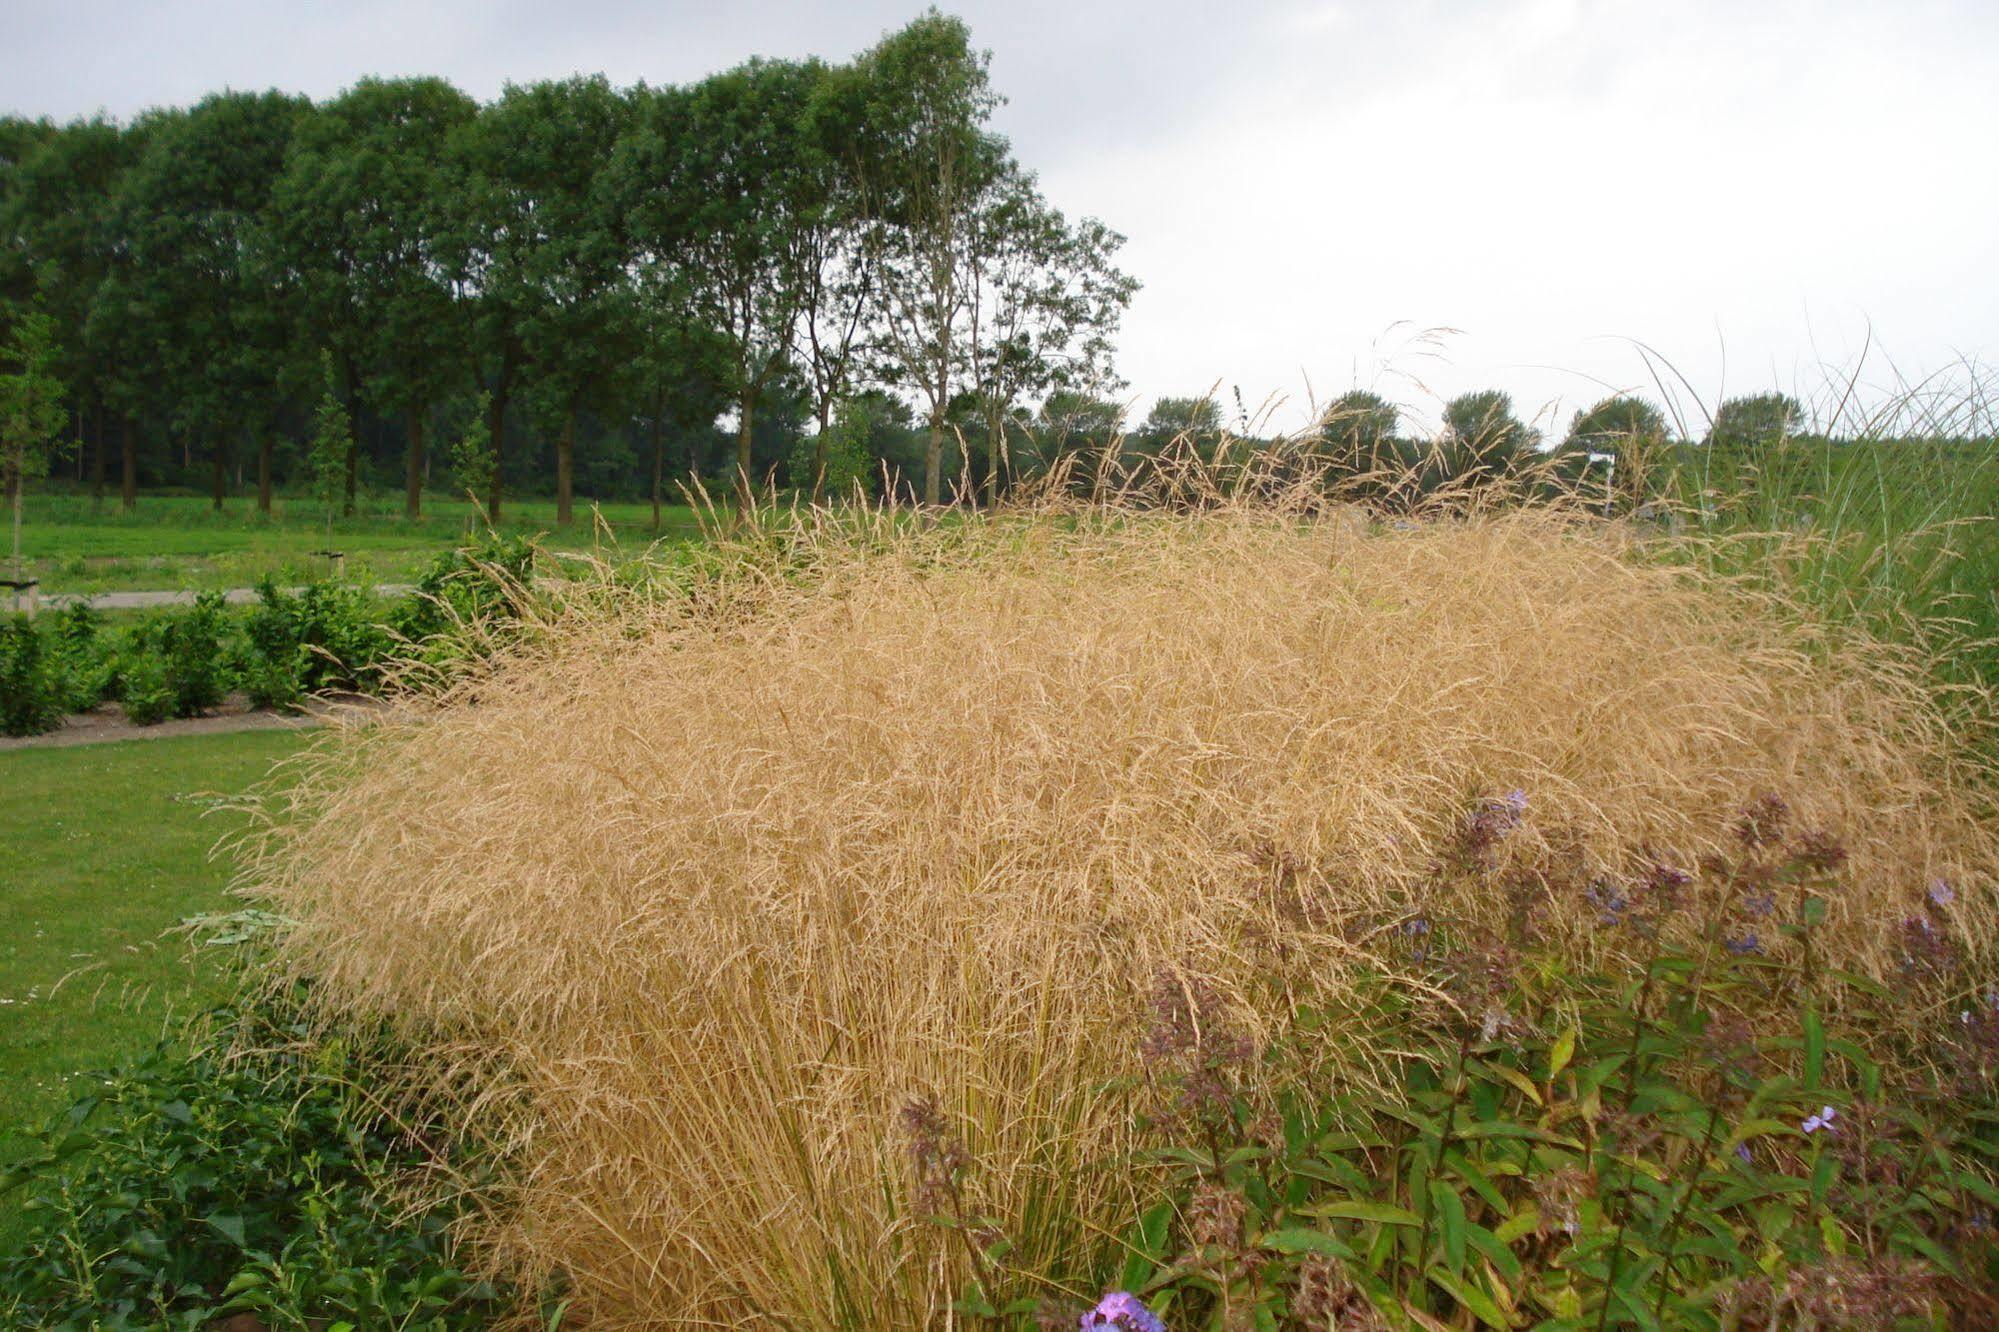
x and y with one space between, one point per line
726 877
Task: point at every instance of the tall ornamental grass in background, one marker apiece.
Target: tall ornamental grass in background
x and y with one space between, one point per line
1877 504
790 926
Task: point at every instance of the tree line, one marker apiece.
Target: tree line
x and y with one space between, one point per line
845 260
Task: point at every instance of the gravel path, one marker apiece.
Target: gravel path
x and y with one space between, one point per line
107 722
235 596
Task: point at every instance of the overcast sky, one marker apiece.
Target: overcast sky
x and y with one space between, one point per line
1311 188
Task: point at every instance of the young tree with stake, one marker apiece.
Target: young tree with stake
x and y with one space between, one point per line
32 414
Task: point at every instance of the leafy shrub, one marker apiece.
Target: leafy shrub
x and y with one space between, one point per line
234 1171
848 461
466 593
196 655
176 663
30 693
86 668
325 636
143 685
274 681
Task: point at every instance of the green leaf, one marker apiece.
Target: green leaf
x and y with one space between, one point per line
1563 1050
1814 1047
1301 1239
1756 1128
1145 1245
1520 1223
1472 1298
1449 1210
1380 1213
1519 1081
229 1225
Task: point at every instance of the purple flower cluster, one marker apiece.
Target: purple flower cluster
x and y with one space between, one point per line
1123 1312
1492 822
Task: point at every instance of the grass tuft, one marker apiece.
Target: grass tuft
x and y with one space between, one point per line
690 895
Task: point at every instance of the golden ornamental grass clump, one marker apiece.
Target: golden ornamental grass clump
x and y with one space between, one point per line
686 900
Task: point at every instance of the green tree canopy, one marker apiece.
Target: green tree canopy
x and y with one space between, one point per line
1615 424
366 202
1755 420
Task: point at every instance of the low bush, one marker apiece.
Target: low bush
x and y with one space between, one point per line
31 696
84 657
143 685
324 636
291 643
239 1168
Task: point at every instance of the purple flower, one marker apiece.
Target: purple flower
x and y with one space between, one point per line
1742 1152
1609 903
1516 801
1126 1313
1822 1120
1760 904
1747 944
1941 893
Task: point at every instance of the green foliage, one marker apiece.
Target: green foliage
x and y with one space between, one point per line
32 410
30 693
1482 436
842 451
472 453
143 685
328 448
1357 432
466 594
1616 424
1196 417
325 635
83 657
238 1168
1756 421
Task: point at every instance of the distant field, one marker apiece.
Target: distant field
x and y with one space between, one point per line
180 541
107 848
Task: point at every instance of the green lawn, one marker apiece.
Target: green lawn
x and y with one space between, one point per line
179 541
106 848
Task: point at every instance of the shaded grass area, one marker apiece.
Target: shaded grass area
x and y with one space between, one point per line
179 541
106 848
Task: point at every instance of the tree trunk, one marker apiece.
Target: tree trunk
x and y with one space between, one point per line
658 466
128 466
220 485
14 489
745 411
565 468
413 468
97 465
353 443
933 458
995 443
819 450
264 472
496 426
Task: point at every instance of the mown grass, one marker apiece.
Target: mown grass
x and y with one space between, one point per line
106 850
74 544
